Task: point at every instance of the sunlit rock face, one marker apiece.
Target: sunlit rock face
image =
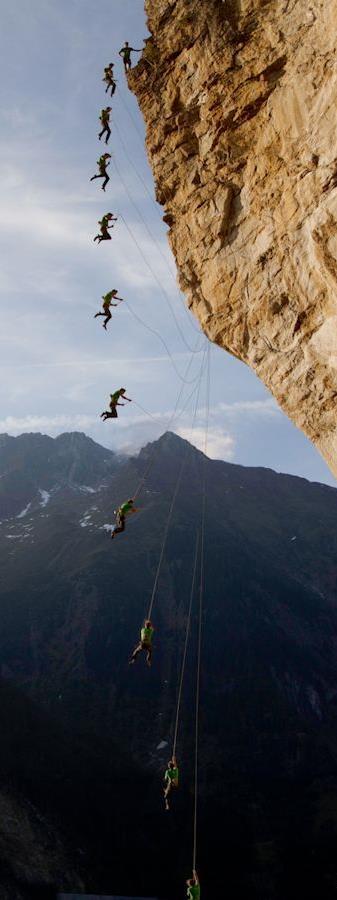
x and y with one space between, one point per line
240 100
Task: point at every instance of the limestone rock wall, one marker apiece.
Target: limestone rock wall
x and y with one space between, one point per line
240 101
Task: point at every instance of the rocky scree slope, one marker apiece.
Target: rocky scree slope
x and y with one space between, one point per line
239 99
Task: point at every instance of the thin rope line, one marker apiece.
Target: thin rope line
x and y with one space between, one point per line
201 593
188 624
152 455
168 522
165 294
143 220
171 271
141 136
141 217
155 204
158 335
179 414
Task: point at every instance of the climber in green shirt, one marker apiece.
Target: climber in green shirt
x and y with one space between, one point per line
107 303
193 887
114 398
145 643
171 779
105 121
124 510
103 163
105 222
109 78
125 52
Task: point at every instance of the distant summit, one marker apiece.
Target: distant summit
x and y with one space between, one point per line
33 462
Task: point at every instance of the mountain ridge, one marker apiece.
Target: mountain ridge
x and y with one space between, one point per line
71 606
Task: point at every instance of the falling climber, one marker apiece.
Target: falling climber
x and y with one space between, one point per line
114 398
171 780
145 643
103 163
105 122
106 223
107 304
193 887
125 53
109 79
126 509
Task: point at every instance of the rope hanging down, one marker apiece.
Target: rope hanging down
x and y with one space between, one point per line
201 594
161 339
148 265
170 269
168 522
154 448
188 624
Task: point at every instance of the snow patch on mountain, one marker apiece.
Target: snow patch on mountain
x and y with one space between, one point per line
24 511
85 521
45 497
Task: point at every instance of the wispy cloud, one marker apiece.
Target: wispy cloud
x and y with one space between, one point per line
266 407
220 444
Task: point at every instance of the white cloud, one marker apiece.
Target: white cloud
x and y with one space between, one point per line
220 444
254 407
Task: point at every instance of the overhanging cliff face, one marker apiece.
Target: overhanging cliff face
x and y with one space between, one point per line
240 102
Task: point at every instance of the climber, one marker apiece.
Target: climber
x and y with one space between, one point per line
124 510
105 119
109 79
145 643
107 303
103 163
193 887
104 223
171 779
114 403
125 52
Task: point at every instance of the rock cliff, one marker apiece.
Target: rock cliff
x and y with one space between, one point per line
239 100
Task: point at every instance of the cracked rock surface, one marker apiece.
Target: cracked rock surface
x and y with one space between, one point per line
239 99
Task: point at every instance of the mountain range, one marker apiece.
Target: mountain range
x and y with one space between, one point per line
85 738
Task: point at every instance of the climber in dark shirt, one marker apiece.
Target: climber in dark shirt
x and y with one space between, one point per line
104 223
109 79
125 52
105 120
171 780
103 163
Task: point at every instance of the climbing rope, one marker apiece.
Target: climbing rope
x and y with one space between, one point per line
145 186
170 270
154 275
141 136
183 664
170 513
201 595
161 339
173 416
177 416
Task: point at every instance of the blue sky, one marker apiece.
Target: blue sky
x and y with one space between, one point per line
57 364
